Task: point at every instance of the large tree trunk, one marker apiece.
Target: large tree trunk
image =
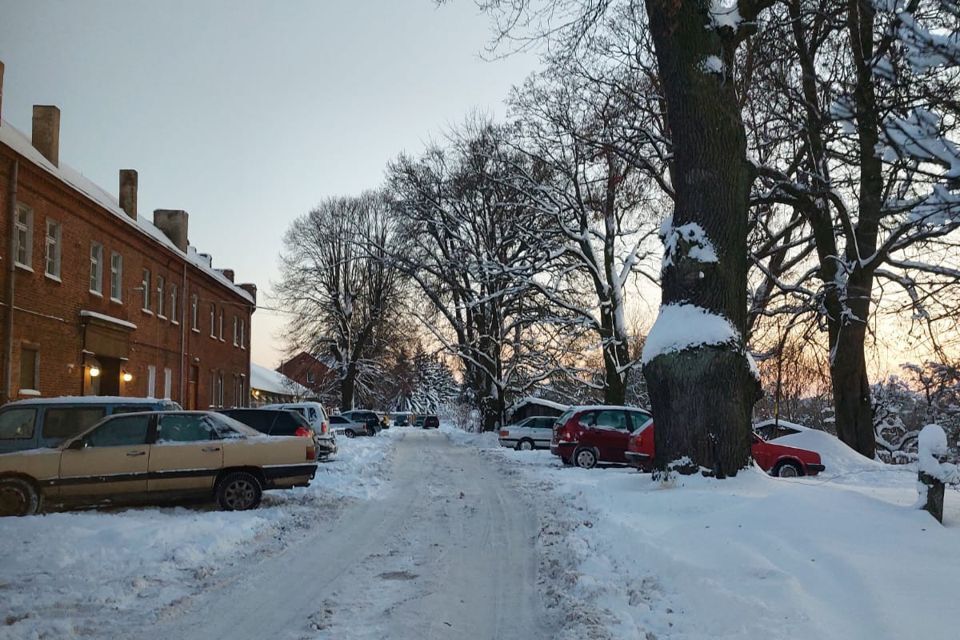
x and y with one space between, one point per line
347 387
702 396
615 357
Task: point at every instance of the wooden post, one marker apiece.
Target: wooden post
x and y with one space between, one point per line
935 492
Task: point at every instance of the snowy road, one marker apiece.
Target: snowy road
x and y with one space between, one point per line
448 553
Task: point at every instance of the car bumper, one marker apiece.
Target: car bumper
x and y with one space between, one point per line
814 469
510 443
563 449
638 460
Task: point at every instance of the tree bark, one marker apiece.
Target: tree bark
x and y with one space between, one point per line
702 396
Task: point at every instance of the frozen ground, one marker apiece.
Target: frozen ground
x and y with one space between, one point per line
843 555
404 536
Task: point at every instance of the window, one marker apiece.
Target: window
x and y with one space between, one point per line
116 277
213 320
174 318
213 388
220 325
151 381
185 428
29 369
236 331
167 382
243 332
66 422
311 378
161 299
195 313
147 294
53 249
124 431
96 268
611 420
220 389
24 237
17 424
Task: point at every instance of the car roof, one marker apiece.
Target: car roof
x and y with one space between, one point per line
606 407
94 400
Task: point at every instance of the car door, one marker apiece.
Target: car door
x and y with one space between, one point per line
611 431
187 454
542 429
111 459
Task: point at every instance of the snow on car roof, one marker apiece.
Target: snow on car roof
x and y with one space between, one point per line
540 401
85 400
607 407
782 423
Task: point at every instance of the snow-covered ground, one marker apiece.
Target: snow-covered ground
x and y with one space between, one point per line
843 555
64 575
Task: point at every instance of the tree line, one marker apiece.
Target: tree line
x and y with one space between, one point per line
779 170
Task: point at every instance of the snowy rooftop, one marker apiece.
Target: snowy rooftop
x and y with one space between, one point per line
540 401
272 381
20 143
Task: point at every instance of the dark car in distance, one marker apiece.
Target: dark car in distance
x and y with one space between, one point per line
430 422
369 418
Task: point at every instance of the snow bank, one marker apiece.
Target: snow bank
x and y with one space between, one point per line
682 326
62 571
484 440
836 456
743 558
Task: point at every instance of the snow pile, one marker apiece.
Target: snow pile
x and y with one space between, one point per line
683 326
931 449
689 240
483 440
62 571
742 558
836 456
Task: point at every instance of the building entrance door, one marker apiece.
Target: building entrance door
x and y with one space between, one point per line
192 387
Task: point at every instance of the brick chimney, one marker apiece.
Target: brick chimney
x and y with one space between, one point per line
1 90
46 132
227 273
128 192
173 224
250 288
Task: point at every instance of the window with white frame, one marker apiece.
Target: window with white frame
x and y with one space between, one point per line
23 254
243 326
213 321
151 381
236 331
161 297
96 268
116 277
147 293
173 304
167 382
53 245
220 388
195 313
220 326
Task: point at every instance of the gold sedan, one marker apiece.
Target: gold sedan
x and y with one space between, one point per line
153 456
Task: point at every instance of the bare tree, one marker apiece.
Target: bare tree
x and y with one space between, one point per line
343 294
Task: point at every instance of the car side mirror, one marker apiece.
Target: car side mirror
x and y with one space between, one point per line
77 445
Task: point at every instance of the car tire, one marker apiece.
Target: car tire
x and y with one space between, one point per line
525 445
788 469
239 491
585 458
18 497
349 433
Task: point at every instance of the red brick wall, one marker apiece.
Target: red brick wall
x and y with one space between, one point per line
48 311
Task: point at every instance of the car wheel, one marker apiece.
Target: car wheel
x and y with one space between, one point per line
585 458
788 470
239 491
18 497
524 445
350 434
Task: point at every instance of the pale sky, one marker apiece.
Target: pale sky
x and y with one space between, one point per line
247 113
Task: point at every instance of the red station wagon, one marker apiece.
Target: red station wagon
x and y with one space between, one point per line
775 459
585 436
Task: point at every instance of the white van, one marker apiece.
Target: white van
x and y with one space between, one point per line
317 417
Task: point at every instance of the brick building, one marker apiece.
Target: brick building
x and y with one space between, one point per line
97 300
309 371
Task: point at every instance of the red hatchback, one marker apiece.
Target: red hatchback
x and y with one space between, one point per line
585 436
775 459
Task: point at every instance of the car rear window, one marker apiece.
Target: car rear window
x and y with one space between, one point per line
64 422
17 424
287 424
261 420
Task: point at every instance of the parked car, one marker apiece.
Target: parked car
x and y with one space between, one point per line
150 456
349 428
316 415
47 422
431 422
534 432
585 436
401 419
279 422
770 429
775 459
369 418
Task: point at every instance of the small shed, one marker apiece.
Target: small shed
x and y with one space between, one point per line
268 387
531 406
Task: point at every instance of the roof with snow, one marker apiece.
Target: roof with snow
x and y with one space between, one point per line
20 143
271 381
538 401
